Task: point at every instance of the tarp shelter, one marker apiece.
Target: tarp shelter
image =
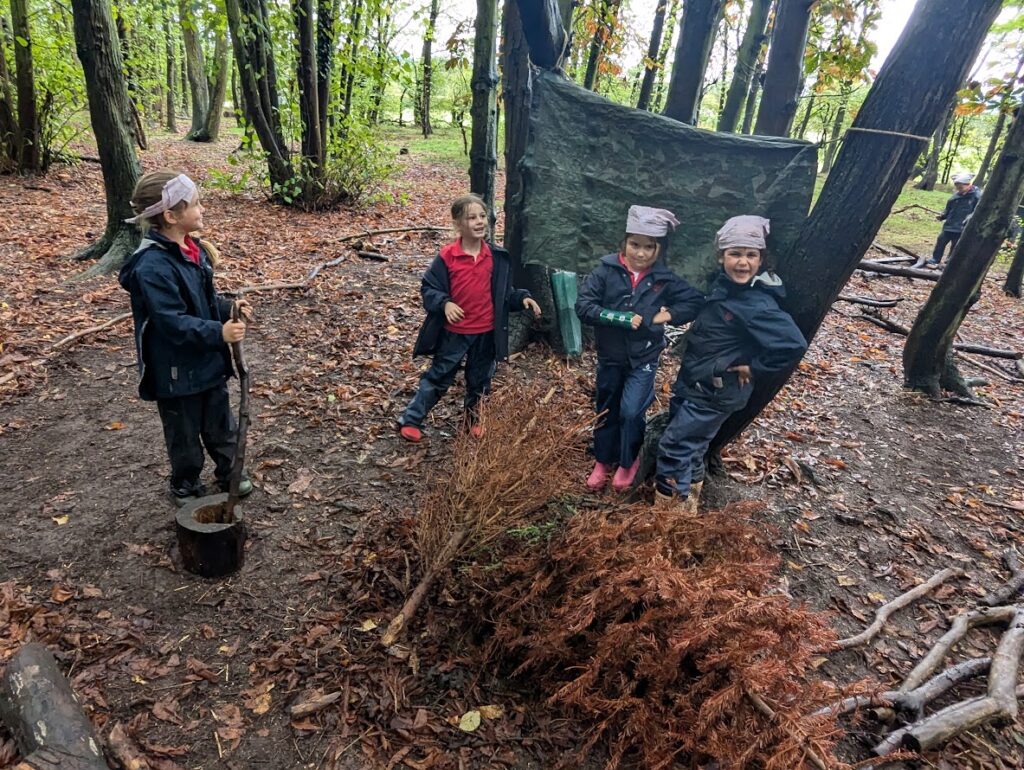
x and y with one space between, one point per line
588 159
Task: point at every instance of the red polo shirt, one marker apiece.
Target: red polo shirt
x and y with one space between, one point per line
470 281
191 250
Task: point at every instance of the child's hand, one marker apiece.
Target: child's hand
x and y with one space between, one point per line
635 321
662 316
453 313
233 331
743 373
531 304
244 309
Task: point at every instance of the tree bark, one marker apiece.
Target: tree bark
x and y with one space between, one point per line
515 94
750 110
785 67
651 62
930 175
218 92
29 139
8 123
483 153
666 45
931 336
428 42
802 131
604 31
172 106
195 69
930 60
746 64
326 21
837 126
699 24
541 22
306 78
98 50
353 44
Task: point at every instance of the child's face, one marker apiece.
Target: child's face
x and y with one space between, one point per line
640 251
473 223
188 219
740 263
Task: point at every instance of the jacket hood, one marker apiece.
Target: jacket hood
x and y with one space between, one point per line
124 276
724 286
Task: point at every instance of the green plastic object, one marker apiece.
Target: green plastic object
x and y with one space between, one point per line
563 288
620 318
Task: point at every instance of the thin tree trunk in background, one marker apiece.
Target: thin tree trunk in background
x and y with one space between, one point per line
651 62
750 108
930 341
195 69
837 126
221 65
134 117
483 154
603 33
958 136
428 41
807 116
305 51
785 68
326 20
183 80
172 106
98 50
1015 275
931 168
746 64
1004 107
930 60
666 45
29 140
355 35
696 35
724 75
8 123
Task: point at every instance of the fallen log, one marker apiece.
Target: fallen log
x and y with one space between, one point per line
907 272
963 347
1011 587
42 713
870 301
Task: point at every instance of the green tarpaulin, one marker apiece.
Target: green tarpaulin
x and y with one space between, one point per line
588 160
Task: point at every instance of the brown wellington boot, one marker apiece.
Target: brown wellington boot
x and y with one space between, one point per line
663 502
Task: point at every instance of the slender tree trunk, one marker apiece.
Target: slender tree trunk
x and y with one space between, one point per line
990 151
837 126
30 155
306 77
750 108
98 50
931 337
515 94
326 35
785 67
172 106
724 74
802 131
355 37
958 136
666 45
651 62
195 69
8 123
483 154
931 168
930 60
700 21
183 79
746 64
428 42
1015 275
218 91
602 36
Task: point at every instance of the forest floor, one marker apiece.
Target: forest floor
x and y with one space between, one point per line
868 490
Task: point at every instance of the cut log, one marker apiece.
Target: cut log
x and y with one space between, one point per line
42 713
907 272
210 546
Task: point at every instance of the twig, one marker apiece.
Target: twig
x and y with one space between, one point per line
313 705
870 301
766 711
1011 587
898 603
915 206
986 368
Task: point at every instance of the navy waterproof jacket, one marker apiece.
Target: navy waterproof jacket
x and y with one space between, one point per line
958 208
436 290
178 318
609 287
741 324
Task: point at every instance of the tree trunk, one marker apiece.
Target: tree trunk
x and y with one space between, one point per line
750 109
700 21
218 92
931 336
29 138
257 78
8 123
666 45
603 33
172 106
183 79
785 67
542 24
383 24
837 127
98 50
746 64
354 46
483 153
802 131
651 62
931 168
195 69
306 78
326 21
428 42
930 60
724 76
1015 275
515 94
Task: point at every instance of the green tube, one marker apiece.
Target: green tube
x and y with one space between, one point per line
621 318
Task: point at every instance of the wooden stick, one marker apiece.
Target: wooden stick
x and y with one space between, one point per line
766 711
986 368
870 301
901 601
906 272
313 705
915 206
962 347
1011 587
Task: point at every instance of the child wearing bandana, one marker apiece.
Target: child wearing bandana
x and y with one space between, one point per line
182 331
628 299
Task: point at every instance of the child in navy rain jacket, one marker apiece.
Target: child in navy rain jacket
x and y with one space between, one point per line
740 334
628 298
182 331
467 292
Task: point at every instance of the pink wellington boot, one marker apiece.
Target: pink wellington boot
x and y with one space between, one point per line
598 477
624 476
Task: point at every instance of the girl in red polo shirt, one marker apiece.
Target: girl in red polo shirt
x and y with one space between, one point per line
468 294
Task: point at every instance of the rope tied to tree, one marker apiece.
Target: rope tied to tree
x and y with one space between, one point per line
875 131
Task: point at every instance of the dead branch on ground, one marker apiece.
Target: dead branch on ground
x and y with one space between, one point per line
1011 587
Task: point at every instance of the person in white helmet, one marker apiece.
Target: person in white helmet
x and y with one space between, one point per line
959 207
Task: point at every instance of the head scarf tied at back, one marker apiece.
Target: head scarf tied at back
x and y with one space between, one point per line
644 220
963 178
176 190
745 232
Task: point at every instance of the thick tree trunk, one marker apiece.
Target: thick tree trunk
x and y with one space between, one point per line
172 105
930 60
428 67
326 21
542 24
483 153
931 167
98 50
515 94
218 92
746 64
306 77
1015 275
931 336
30 150
700 21
195 69
785 67
651 62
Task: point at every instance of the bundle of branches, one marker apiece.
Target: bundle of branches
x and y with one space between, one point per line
521 460
660 633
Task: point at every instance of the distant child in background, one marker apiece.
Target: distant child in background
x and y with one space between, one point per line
468 294
628 299
182 331
959 208
740 335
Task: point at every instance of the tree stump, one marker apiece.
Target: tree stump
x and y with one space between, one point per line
43 715
212 544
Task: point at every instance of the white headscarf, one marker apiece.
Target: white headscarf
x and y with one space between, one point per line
179 189
746 231
963 178
644 220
